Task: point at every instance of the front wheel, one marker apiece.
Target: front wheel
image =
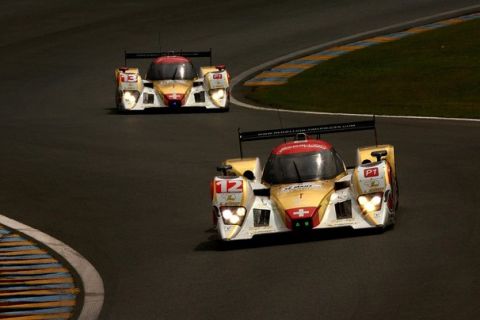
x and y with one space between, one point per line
397 193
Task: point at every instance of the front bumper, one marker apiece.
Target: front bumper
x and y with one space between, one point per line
149 99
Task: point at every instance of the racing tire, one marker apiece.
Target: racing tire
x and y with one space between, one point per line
122 111
397 193
226 108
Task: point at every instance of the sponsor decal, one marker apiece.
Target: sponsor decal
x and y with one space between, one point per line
301 147
229 186
342 222
295 187
217 76
227 228
339 196
374 183
171 60
260 230
370 172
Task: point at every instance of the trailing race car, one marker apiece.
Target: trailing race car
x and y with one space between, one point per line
305 185
172 82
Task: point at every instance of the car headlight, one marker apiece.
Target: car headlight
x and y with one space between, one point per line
130 98
370 202
233 215
218 96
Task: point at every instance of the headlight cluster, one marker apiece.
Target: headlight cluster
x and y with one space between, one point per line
130 98
370 202
233 215
218 96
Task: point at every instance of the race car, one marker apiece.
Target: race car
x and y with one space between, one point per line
305 185
172 82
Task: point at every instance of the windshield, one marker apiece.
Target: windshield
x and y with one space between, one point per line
301 167
171 71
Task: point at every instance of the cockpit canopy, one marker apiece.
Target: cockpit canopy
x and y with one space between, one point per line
302 161
171 68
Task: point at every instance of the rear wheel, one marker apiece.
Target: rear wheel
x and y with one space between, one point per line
397 202
227 106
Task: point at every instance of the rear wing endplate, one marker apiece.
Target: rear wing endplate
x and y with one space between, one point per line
152 55
315 130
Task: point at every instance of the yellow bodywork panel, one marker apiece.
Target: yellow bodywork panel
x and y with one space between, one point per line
289 196
205 70
365 153
313 194
135 85
239 166
173 87
128 70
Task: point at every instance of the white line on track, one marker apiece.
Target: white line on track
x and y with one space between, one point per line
92 282
356 37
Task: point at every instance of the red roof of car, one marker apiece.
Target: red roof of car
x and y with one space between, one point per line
292 147
171 59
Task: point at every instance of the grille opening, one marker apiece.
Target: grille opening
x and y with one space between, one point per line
343 209
261 217
200 96
148 98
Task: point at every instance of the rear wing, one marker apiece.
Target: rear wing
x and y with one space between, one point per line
315 130
152 55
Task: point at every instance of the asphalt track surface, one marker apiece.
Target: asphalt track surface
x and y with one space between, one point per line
131 194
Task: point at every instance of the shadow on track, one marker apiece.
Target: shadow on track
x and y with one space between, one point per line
278 239
114 111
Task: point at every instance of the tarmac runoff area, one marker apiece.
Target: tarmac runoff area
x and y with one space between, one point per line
280 74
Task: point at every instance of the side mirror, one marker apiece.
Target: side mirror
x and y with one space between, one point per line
224 168
249 175
379 154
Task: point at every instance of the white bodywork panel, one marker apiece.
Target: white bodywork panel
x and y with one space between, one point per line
214 82
368 182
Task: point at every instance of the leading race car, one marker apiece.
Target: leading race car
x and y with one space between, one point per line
305 185
172 82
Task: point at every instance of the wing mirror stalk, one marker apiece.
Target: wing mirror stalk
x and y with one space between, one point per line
224 168
379 154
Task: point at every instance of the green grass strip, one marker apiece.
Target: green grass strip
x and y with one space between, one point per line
436 73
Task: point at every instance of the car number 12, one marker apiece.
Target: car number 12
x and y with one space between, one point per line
229 186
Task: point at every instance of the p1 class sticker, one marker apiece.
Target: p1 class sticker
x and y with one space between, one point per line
370 172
